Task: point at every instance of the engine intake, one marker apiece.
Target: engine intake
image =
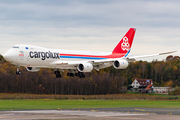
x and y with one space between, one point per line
120 64
32 69
85 67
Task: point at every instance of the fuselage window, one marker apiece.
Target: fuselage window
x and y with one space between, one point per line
15 47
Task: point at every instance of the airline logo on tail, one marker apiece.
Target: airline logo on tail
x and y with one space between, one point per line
125 45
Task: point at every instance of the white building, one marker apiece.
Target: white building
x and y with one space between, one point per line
161 89
141 83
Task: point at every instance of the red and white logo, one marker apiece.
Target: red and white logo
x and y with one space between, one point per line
125 45
21 53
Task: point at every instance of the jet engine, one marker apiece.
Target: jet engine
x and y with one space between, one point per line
85 67
32 69
120 64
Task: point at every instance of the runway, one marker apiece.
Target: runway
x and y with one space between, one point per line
79 114
139 110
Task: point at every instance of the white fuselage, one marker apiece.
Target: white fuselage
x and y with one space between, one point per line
35 56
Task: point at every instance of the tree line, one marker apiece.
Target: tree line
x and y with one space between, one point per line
105 81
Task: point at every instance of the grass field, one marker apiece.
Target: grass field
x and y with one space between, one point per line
128 96
79 104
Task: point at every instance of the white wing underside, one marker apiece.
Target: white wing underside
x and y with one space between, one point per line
99 64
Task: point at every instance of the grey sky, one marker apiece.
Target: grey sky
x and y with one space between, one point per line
95 25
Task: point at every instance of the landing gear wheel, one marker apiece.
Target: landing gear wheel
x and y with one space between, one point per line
70 74
81 75
18 72
57 73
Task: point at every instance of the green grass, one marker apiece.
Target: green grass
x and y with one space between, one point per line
78 104
152 94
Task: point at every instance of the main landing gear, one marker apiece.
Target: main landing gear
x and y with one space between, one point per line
18 72
79 74
70 74
57 73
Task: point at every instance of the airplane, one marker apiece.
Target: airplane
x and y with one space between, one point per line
33 58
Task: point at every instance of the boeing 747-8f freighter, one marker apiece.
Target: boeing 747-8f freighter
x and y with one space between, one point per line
77 62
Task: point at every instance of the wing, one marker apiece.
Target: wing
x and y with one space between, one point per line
132 58
151 55
99 64
109 62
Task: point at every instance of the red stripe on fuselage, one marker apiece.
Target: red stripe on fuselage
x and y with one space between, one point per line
96 56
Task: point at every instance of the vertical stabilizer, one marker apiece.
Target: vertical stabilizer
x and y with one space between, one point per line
124 46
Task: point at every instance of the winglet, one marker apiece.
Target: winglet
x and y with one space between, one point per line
125 43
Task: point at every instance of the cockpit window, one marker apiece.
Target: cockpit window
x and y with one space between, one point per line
15 47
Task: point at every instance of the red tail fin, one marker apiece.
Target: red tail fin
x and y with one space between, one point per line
125 43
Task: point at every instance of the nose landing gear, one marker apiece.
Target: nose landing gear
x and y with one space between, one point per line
18 72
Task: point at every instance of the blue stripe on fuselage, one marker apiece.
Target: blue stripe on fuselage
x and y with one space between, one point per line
77 57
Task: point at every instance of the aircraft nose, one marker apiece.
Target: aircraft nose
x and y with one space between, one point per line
8 56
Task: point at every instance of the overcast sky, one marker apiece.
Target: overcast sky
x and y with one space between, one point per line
92 25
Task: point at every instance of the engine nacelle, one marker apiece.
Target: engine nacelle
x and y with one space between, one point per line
32 69
85 67
120 64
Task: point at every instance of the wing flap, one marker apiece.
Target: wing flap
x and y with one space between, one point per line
67 62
